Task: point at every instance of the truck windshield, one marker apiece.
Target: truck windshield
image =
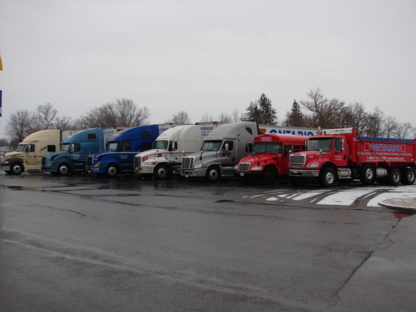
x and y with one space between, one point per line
162 145
21 148
267 148
112 146
211 145
323 144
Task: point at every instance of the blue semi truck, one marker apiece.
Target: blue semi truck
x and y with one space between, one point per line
121 149
74 152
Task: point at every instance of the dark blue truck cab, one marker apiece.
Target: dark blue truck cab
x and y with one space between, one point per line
74 152
121 149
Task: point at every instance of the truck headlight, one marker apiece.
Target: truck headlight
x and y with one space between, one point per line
98 164
5 162
256 168
200 165
313 165
50 164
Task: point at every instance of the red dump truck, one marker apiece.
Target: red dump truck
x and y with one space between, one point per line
340 154
270 157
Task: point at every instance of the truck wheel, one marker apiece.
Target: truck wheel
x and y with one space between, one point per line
161 172
269 175
394 176
409 176
328 177
213 174
16 168
368 174
112 170
63 169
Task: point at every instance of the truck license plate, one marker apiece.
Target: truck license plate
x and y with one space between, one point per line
242 174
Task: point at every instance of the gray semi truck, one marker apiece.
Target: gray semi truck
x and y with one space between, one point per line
221 150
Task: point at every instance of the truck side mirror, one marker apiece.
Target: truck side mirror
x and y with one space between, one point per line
226 147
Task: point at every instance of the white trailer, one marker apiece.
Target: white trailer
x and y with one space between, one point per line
171 146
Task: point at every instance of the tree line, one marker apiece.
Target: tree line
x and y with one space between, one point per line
316 111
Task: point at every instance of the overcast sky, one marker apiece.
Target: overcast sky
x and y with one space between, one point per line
206 56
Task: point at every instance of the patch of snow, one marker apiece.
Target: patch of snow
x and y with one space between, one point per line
343 197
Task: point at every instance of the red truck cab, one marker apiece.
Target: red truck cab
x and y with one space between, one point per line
270 157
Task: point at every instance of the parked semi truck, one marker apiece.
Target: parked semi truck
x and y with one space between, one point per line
221 150
270 157
74 152
29 153
171 146
339 154
121 149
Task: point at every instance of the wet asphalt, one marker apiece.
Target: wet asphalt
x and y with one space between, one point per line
83 243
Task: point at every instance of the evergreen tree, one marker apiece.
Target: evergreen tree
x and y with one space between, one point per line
295 117
261 111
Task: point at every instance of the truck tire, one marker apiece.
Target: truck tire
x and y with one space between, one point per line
368 174
394 176
328 177
111 170
161 172
408 177
213 174
63 169
16 168
269 175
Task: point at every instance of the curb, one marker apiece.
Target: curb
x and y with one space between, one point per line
399 203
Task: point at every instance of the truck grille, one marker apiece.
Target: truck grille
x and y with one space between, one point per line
89 160
243 166
187 163
137 162
43 161
297 160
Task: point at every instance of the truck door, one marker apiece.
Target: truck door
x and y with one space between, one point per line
340 152
124 157
31 155
227 155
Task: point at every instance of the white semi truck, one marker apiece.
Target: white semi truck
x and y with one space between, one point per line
221 150
170 148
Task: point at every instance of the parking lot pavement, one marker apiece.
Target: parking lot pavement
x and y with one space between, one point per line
386 280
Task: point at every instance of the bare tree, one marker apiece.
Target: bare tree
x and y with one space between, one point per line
44 117
62 123
375 123
389 126
224 117
404 130
207 117
121 113
181 118
234 115
19 125
325 112
354 116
